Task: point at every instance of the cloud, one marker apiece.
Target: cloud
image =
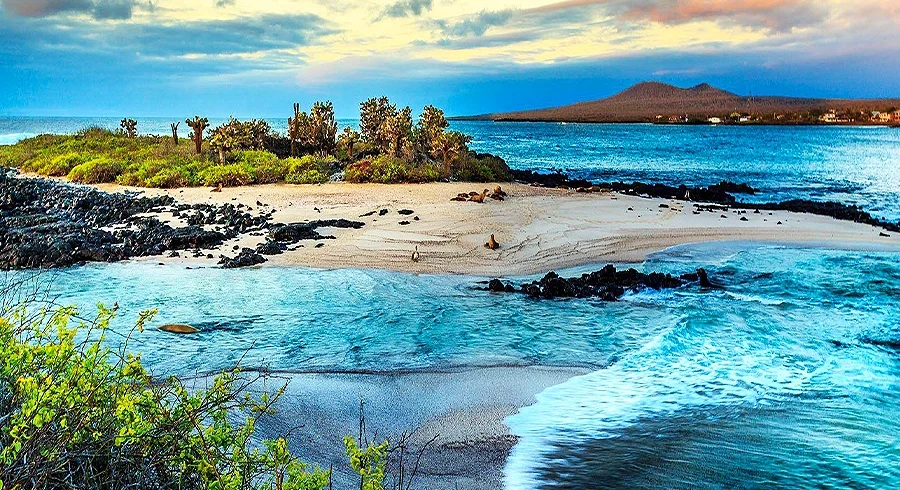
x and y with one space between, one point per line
224 3
99 9
777 15
476 25
267 34
407 8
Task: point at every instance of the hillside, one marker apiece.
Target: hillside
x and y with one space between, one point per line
646 101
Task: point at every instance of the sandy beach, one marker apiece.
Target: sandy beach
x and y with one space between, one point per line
458 413
538 229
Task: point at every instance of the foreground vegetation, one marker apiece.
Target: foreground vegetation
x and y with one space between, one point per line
388 148
77 414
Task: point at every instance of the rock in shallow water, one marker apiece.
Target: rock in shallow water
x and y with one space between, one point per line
607 284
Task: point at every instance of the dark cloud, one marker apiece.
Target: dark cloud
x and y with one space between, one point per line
224 3
235 36
113 9
99 9
407 8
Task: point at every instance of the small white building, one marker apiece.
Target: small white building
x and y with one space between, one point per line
715 120
828 117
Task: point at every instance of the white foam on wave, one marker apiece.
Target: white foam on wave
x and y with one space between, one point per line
13 138
675 370
754 298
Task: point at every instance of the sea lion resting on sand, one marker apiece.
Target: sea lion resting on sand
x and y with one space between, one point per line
492 243
480 197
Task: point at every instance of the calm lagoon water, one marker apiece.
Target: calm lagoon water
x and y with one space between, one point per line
787 378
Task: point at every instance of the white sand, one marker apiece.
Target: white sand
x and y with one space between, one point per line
538 229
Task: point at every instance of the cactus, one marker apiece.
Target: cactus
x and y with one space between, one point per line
174 126
294 129
128 127
198 125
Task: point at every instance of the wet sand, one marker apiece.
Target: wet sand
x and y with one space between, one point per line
460 412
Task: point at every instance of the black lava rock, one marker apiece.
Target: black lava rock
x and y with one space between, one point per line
247 258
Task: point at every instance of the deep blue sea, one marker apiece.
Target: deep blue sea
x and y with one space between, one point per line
789 377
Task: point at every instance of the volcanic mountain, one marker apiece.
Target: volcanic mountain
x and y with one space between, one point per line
646 101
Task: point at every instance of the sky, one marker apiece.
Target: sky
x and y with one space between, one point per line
254 58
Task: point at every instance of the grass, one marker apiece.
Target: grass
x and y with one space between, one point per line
97 155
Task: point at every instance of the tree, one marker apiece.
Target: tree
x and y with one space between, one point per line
430 130
128 127
452 144
323 128
174 127
349 138
198 125
397 131
238 135
373 114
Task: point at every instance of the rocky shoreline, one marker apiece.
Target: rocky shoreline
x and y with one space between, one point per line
722 193
47 224
607 284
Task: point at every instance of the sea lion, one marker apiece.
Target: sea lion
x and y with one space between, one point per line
178 328
415 254
480 197
492 243
217 189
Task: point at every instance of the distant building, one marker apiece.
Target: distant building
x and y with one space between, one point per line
745 119
715 120
828 117
895 116
881 117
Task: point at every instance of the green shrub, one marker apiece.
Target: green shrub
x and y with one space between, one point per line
472 167
169 178
61 165
385 169
266 167
427 172
232 175
97 171
74 412
308 170
311 176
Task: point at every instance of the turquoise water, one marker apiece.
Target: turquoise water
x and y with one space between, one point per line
852 165
789 377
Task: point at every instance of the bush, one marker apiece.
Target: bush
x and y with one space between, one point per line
266 167
427 172
385 169
97 171
227 175
170 178
77 414
61 166
474 167
308 170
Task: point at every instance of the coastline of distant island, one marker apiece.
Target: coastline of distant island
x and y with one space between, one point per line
660 103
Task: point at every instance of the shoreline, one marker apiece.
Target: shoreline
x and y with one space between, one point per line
461 411
539 229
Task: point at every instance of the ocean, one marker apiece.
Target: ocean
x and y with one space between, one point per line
788 377
854 165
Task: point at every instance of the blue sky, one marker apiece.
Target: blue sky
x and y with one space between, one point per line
252 58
